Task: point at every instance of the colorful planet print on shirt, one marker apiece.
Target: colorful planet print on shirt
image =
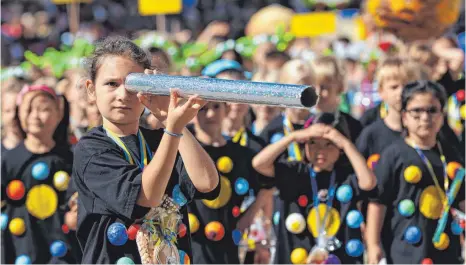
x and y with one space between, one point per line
15 190
193 223
61 180
22 259
17 226
236 235
298 256
354 219
295 223
354 248
413 235
42 201
241 186
116 234
225 164
332 224
443 243
276 218
214 231
223 197
430 204
344 193
178 196
40 171
58 249
125 260
4 221
456 228
412 174
372 161
406 208
184 258
452 167
303 201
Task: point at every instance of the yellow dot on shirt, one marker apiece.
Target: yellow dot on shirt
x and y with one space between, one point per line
224 164
413 174
193 223
298 256
443 243
332 224
42 201
463 112
430 203
17 226
61 180
223 197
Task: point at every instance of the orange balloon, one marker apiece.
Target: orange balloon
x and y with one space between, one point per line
15 190
214 231
452 167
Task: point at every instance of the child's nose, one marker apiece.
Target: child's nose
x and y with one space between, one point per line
122 93
210 113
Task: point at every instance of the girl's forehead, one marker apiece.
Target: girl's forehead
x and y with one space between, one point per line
423 99
117 67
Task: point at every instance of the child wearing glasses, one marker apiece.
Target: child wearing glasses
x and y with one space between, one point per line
413 177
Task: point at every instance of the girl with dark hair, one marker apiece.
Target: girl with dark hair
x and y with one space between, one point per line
413 175
41 167
322 188
134 184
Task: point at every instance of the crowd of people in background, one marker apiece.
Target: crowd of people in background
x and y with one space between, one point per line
364 175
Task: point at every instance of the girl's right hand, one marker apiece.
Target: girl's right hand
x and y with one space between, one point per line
313 131
374 254
180 114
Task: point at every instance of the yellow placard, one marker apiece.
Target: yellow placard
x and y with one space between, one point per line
314 24
63 2
159 7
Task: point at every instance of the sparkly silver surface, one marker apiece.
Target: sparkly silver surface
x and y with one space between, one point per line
283 95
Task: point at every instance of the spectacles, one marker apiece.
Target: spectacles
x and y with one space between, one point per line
417 112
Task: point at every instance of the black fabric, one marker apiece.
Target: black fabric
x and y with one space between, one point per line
371 115
17 164
393 188
293 181
375 137
108 188
224 251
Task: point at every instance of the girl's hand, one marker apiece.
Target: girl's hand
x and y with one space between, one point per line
180 114
158 105
374 254
335 136
313 131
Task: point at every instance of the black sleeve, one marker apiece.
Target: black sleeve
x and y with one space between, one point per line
363 144
369 116
448 138
109 177
289 178
385 172
188 188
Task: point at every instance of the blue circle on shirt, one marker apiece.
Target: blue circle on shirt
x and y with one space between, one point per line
40 171
178 196
456 228
58 249
4 221
116 234
354 219
276 218
276 137
125 260
413 235
344 193
241 186
23 259
236 235
354 248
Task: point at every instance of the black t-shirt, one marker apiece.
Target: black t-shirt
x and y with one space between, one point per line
371 115
293 182
108 187
41 208
403 190
375 137
238 180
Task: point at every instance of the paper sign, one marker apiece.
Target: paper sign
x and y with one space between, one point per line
314 24
159 7
63 2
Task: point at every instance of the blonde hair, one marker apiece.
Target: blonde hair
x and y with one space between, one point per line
266 76
296 72
328 68
397 68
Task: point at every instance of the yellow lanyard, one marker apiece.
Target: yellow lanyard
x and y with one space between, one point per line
143 148
294 153
241 136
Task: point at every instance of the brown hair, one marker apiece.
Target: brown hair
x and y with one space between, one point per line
328 68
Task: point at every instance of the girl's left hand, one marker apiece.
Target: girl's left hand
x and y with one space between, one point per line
335 136
158 105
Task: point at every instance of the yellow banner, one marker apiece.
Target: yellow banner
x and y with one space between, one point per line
159 7
63 2
314 24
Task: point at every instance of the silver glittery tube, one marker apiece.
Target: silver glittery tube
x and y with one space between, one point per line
237 91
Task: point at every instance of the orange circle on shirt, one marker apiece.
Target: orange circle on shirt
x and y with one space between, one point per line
413 174
214 231
452 167
372 161
15 190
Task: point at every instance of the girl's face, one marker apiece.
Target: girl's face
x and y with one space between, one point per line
8 109
39 114
266 113
322 153
114 102
423 116
211 116
329 95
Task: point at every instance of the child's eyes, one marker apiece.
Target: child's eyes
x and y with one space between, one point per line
112 84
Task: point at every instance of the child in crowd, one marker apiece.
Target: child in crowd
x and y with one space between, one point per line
35 177
11 132
413 175
134 184
310 187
